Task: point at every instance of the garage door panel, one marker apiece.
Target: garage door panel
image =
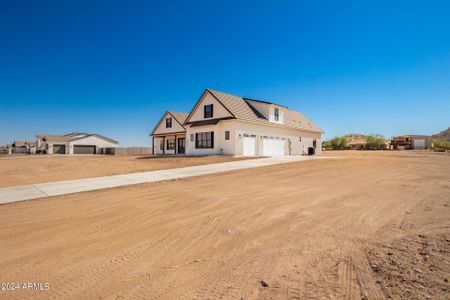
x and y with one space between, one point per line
419 144
273 146
83 149
59 149
249 146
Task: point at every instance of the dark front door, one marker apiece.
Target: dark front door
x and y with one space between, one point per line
181 145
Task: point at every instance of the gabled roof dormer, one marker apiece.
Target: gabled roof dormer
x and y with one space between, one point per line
171 122
272 112
209 107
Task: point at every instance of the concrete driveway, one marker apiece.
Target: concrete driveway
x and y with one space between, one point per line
41 190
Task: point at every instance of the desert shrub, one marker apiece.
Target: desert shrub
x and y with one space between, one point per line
337 143
441 144
374 141
326 145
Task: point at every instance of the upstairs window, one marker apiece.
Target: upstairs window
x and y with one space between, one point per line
227 135
208 111
276 114
169 123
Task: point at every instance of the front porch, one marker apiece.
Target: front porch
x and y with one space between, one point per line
169 144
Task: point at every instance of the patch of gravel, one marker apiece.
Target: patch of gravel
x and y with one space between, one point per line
415 267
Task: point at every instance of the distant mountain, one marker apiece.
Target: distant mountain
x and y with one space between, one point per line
355 138
443 135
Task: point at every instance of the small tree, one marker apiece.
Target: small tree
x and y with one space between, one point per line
337 143
441 144
327 145
374 141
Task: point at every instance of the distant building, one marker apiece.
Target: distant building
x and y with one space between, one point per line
6 149
411 142
24 147
74 143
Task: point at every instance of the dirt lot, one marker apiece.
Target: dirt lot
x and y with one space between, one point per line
38 169
366 226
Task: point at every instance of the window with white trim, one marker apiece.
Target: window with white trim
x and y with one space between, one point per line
276 114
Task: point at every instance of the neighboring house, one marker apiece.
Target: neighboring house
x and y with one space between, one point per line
411 142
24 147
221 123
169 135
6 149
73 143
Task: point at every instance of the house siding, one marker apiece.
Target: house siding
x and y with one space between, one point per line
219 111
268 110
159 139
239 128
176 127
91 141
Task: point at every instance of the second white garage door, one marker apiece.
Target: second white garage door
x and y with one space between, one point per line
249 145
273 146
419 144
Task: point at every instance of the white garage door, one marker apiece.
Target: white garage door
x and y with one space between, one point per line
249 145
273 146
419 144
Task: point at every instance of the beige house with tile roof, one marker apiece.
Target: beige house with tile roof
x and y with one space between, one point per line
221 123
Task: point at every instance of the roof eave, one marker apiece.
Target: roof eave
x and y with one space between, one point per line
282 126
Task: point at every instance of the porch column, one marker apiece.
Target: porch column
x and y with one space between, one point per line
153 145
164 145
175 144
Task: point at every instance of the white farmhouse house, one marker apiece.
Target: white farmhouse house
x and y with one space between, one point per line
73 143
221 123
169 135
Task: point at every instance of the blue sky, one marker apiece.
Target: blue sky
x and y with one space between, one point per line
113 67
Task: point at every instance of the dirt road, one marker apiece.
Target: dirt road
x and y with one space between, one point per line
367 226
39 169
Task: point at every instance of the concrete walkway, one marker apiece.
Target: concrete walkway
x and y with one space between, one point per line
40 190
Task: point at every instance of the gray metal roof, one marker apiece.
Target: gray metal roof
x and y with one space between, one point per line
71 137
180 116
241 109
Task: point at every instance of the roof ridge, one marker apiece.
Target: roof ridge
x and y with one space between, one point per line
243 109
